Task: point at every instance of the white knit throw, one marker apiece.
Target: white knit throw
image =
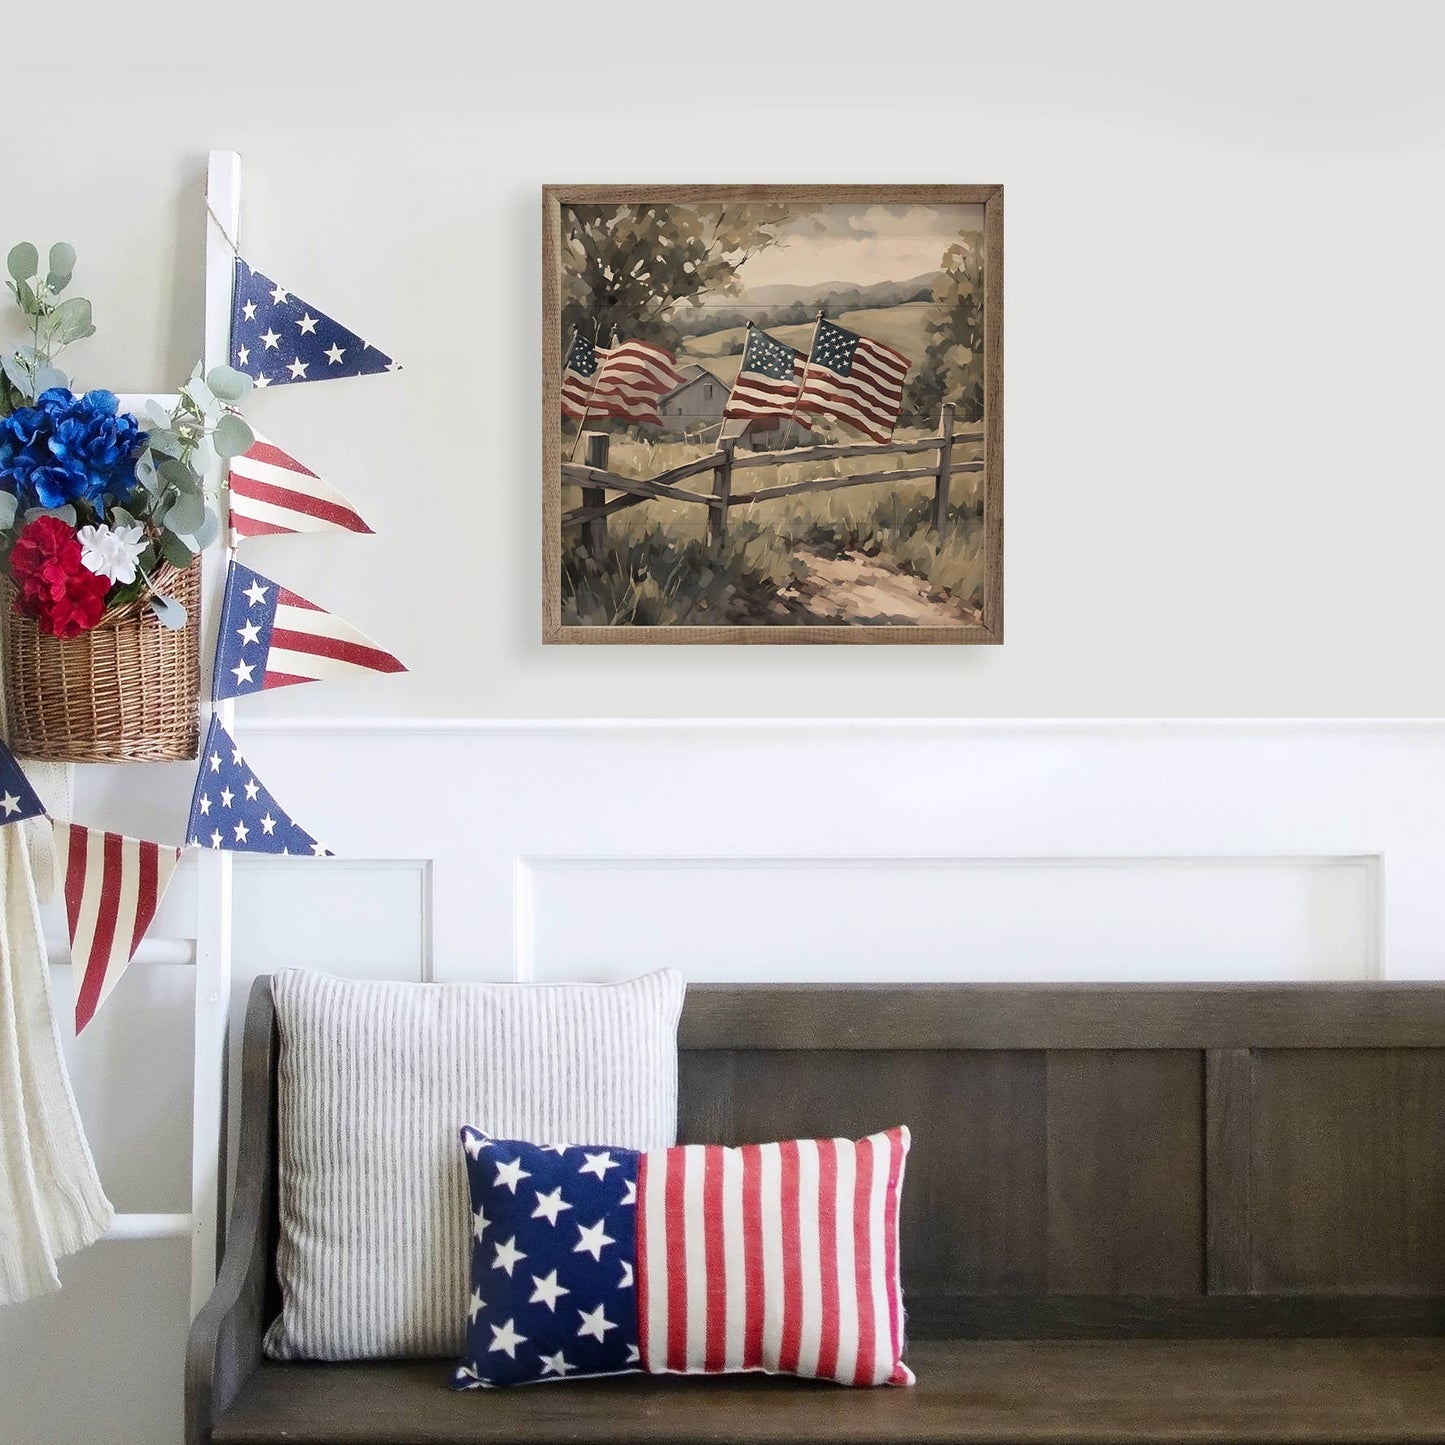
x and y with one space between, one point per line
51 1202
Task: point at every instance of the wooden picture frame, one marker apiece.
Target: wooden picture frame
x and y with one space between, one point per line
600 497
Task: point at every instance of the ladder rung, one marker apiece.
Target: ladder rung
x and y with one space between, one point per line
149 1226
151 950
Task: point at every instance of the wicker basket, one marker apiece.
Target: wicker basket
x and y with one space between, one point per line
124 692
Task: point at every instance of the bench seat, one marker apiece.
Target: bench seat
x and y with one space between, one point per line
1103 1392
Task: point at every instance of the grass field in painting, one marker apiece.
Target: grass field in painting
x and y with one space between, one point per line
861 555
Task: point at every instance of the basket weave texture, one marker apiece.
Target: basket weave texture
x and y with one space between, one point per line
123 692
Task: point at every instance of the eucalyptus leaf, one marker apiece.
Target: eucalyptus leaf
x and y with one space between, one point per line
186 514
9 505
228 383
203 397
18 376
120 517
65 513
145 470
72 319
175 551
25 294
164 443
233 436
47 377
61 264
156 414
23 261
169 612
207 532
178 475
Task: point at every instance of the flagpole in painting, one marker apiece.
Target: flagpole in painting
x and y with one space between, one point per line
808 361
747 336
587 406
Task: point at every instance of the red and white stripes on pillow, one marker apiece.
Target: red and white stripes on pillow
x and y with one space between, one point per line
778 1257
699 1259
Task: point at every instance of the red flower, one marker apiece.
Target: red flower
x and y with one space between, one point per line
52 584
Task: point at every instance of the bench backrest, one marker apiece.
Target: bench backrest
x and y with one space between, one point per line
1098 1159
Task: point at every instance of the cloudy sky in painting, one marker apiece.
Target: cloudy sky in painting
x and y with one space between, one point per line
860 245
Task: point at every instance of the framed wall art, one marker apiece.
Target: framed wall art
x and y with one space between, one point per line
773 414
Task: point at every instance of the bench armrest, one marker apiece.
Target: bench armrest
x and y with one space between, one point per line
224 1346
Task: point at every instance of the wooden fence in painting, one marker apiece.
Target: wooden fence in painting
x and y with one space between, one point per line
596 481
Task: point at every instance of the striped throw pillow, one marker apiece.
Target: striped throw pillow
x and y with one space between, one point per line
698 1259
374 1080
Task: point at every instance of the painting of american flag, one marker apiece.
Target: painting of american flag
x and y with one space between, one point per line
271 493
700 1259
112 887
273 637
623 380
18 800
853 378
768 379
232 810
278 339
802 439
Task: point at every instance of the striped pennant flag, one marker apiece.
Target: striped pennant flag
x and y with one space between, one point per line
271 637
272 493
113 886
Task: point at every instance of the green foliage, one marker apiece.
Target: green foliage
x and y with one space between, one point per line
633 267
183 443
55 324
952 367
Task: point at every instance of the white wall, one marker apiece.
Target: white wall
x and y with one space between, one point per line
1224 499
1224 311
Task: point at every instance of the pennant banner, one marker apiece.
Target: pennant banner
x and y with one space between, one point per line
270 637
278 339
113 886
232 811
271 493
18 800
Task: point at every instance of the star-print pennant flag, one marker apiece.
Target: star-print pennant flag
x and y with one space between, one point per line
272 493
18 800
270 637
278 339
113 886
232 811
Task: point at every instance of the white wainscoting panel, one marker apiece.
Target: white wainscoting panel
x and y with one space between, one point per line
920 919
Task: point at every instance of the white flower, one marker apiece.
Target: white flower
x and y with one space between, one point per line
111 552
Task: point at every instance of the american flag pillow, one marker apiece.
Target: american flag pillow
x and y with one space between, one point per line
695 1260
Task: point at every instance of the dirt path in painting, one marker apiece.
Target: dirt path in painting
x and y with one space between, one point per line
853 588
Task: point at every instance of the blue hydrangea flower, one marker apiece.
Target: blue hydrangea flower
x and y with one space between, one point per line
68 448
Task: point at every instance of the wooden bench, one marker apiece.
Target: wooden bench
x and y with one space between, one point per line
1131 1214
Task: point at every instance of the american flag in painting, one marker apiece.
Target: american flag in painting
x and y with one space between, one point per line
271 493
113 886
856 379
278 339
768 379
18 800
271 637
623 380
694 1260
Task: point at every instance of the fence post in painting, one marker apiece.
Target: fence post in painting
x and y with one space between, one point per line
594 454
945 466
722 488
